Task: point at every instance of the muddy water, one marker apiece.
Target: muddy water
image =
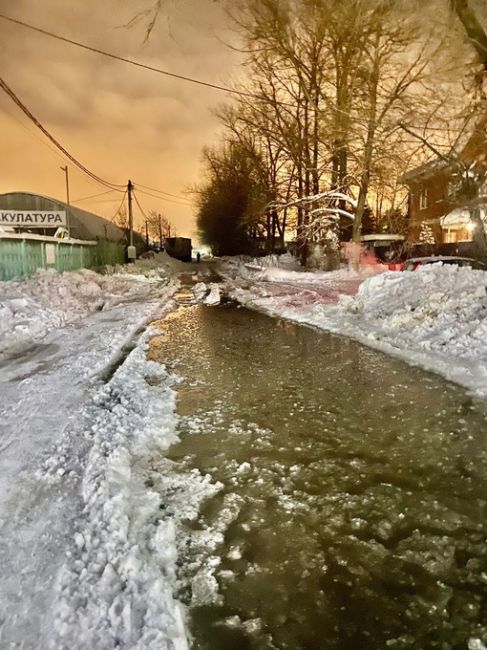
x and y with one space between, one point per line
352 507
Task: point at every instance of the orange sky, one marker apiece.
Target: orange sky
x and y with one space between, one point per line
119 121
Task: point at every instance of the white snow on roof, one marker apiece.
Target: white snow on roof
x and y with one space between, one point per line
457 218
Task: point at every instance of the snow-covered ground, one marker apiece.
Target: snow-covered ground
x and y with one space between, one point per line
115 587
84 561
87 548
31 308
434 317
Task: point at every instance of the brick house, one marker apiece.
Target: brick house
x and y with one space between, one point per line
435 205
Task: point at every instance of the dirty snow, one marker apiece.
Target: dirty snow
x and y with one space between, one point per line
87 562
434 317
207 294
31 308
115 589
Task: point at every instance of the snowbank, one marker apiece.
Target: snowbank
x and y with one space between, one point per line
30 308
116 587
243 266
154 265
434 317
287 269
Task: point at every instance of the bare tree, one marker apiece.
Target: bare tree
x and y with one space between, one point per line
159 226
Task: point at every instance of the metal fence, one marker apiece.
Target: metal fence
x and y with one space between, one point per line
21 255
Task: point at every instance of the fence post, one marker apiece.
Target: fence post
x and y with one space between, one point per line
23 255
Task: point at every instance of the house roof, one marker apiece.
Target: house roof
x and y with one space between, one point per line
469 146
425 170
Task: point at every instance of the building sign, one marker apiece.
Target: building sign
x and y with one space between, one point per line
31 219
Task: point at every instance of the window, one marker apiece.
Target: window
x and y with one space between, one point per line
423 198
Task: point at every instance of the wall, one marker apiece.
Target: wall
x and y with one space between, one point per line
438 206
21 255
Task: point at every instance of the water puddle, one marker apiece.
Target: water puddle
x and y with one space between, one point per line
335 498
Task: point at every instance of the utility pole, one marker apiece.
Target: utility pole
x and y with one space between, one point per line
130 188
147 233
160 232
131 252
68 220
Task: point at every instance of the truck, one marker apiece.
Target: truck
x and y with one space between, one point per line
179 248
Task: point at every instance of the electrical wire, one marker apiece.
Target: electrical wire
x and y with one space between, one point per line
24 109
54 151
92 196
140 207
153 189
138 64
119 207
161 198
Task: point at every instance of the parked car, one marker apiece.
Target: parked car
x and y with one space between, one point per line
416 262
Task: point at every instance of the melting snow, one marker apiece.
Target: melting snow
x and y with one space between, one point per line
434 317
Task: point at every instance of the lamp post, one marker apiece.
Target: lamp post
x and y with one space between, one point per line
65 170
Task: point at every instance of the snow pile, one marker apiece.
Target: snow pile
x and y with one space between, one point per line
32 307
312 277
248 267
207 294
439 308
116 587
286 269
434 317
153 265
285 261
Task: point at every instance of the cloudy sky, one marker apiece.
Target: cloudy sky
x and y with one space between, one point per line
119 121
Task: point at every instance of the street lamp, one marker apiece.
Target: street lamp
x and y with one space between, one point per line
65 170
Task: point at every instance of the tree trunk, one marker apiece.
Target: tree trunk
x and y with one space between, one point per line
478 234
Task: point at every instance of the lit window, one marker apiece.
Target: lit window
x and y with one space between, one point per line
423 198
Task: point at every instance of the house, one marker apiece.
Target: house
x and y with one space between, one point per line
439 207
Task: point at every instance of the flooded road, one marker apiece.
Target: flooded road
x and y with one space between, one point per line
350 507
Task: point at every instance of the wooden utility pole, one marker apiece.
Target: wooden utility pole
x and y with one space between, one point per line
160 232
130 188
147 233
68 220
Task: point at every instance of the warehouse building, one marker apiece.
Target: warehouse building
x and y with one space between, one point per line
33 235
82 224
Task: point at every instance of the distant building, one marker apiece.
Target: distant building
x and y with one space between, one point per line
82 224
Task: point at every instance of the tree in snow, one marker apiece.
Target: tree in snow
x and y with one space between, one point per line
330 80
321 229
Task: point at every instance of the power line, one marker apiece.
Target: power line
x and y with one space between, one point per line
161 198
152 189
92 196
140 207
54 151
34 135
123 59
24 109
119 207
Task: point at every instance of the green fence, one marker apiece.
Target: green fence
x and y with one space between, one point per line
21 256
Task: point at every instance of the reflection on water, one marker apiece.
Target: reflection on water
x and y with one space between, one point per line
353 508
